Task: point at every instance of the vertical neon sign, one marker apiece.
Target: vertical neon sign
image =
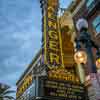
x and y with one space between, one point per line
52 39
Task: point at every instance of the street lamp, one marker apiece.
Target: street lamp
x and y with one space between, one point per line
84 54
85 41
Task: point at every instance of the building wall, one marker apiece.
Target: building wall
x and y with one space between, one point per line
90 15
26 82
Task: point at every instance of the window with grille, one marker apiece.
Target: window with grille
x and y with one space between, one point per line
96 24
90 4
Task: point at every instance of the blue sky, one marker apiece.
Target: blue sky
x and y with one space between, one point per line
20 36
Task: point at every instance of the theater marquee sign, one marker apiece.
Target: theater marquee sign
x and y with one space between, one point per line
52 38
24 85
62 89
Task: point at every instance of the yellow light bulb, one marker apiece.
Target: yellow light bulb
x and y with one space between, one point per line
80 57
98 63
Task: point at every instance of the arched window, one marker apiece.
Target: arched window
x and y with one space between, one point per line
96 24
90 4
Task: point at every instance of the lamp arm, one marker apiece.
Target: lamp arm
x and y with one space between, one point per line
94 45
